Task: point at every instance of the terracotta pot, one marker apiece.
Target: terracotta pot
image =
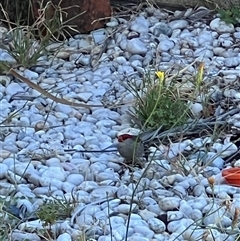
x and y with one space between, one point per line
232 176
82 16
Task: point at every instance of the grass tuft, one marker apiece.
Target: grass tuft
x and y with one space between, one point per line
163 101
27 43
230 16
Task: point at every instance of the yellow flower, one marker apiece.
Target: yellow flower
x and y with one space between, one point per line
200 74
160 75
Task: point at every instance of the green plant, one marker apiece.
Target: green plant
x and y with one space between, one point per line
27 43
231 15
166 107
168 99
23 47
53 210
8 216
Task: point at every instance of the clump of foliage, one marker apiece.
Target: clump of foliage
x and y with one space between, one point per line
231 15
160 102
53 210
27 42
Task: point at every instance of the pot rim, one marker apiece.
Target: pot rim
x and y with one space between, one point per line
232 174
233 170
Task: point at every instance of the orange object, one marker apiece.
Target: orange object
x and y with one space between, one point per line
232 176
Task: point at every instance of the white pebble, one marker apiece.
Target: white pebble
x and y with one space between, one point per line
220 26
174 215
64 237
169 203
3 170
144 230
75 179
56 172
136 46
178 24
14 88
146 215
125 208
156 225
30 74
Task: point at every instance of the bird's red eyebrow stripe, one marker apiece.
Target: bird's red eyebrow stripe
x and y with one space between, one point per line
124 137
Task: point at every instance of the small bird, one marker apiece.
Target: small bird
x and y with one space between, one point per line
130 147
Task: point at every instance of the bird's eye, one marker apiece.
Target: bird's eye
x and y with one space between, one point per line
120 138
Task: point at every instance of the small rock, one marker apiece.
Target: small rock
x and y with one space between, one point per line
68 187
112 24
69 77
180 191
123 190
215 215
64 237
178 24
237 35
13 88
169 203
56 172
160 14
196 215
84 60
168 180
18 235
156 225
63 54
53 46
120 232
75 179
30 74
85 96
218 51
85 218
226 43
137 238
88 186
125 208
179 226
198 190
3 170
196 109
174 215
205 37
10 147
144 230
221 27
100 35
102 192
140 25
6 57
67 66
165 45
146 215
66 109
232 62
161 28
13 178
104 72
136 46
